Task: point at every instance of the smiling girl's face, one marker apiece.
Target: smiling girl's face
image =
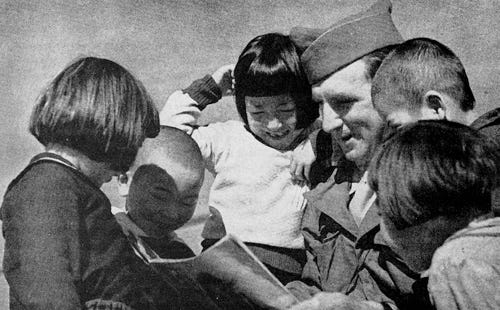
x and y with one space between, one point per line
273 119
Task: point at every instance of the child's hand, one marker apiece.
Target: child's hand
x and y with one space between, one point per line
302 158
225 79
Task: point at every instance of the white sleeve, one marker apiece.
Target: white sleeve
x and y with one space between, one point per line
183 112
180 111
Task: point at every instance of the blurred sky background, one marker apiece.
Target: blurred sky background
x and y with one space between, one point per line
167 44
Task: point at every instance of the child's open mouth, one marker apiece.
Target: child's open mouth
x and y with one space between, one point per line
277 136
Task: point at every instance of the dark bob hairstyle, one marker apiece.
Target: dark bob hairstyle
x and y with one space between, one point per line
268 66
96 107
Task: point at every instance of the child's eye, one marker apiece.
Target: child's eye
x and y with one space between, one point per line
287 110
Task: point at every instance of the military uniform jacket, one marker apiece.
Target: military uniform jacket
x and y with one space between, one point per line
342 257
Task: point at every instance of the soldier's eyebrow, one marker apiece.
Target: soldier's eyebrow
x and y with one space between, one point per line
341 98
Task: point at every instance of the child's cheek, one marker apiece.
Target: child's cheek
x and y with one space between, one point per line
291 121
256 127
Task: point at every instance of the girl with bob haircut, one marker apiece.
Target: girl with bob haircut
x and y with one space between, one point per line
63 247
98 108
253 195
433 181
261 73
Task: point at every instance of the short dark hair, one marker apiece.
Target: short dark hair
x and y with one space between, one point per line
269 65
374 59
418 66
98 108
434 168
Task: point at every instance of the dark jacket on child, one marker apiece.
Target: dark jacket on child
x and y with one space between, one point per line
64 249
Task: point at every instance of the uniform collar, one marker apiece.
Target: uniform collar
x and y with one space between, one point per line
332 198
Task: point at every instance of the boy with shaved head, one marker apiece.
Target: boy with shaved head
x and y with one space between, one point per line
163 191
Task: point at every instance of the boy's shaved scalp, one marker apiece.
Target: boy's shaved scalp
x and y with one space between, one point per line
416 67
169 172
174 151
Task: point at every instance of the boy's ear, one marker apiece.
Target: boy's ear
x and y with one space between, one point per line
124 181
433 106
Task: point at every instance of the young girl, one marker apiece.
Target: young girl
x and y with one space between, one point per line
253 195
63 247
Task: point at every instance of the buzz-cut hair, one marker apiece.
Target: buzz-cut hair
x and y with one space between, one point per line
417 66
97 107
374 59
171 149
163 163
269 66
434 168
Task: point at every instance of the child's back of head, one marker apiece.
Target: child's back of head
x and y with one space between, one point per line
416 67
434 168
431 178
164 189
97 108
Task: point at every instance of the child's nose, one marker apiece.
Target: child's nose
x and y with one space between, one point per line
274 124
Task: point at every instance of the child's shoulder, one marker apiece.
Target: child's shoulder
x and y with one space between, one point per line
50 191
226 131
43 174
49 181
229 124
478 241
479 229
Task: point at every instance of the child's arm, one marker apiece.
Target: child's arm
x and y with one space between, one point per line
302 159
183 108
305 154
315 158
